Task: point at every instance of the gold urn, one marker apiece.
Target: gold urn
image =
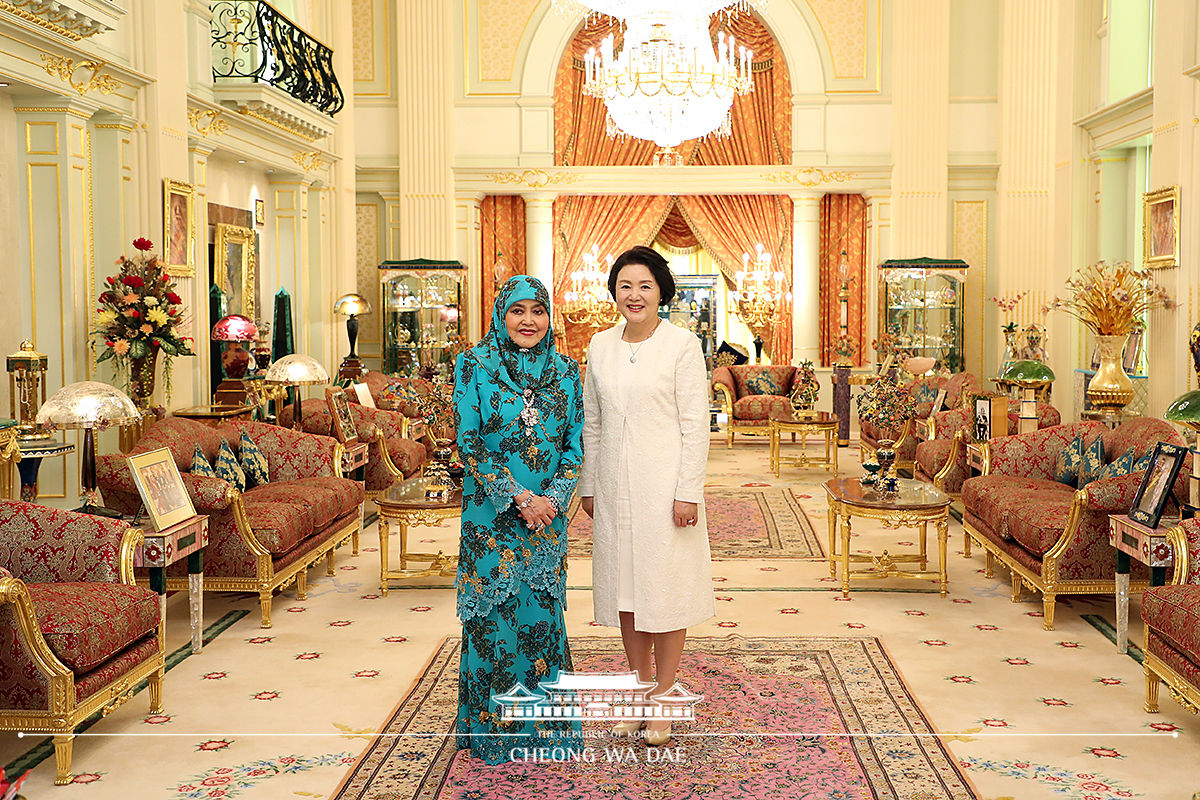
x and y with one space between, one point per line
1110 389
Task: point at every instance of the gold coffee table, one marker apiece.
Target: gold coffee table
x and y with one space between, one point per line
407 503
915 506
811 423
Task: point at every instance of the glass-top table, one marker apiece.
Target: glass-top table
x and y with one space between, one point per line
416 501
915 504
805 423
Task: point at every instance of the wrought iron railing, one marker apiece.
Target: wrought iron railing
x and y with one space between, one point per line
251 40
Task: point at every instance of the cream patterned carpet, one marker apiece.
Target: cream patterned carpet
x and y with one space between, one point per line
285 712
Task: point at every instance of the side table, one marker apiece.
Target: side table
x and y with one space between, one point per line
214 415
354 462
812 424
1147 545
163 548
32 453
406 503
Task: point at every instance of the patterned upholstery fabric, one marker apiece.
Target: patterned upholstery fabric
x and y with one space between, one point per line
253 462
758 407
750 380
86 623
1191 527
114 668
1093 462
1069 462
325 498
200 465
44 545
1174 613
227 467
278 525
290 454
1122 466
1186 664
931 457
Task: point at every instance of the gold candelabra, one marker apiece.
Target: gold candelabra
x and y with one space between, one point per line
587 302
760 293
26 374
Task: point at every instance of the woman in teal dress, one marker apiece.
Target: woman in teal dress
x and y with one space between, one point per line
520 422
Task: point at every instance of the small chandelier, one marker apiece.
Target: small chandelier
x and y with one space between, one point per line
587 302
667 85
759 295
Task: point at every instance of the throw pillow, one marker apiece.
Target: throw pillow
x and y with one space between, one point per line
227 467
736 357
762 383
200 465
1093 463
254 463
1119 467
1143 463
1070 459
925 393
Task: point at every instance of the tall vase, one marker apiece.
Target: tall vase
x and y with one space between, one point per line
1110 389
141 379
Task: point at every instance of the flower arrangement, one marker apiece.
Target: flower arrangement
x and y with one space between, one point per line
1110 299
805 386
1007 303
886 404
437 408
844 348
138 316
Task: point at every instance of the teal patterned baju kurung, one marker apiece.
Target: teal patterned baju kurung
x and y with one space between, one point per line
520 422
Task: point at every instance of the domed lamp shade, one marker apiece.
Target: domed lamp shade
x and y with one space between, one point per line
236 361
351 306
1186 411
297 370
89 405
1031 376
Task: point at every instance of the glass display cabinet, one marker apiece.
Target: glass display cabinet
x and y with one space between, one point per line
921 302
695 308
421 302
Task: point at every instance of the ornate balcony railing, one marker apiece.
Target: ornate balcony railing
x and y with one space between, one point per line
251 40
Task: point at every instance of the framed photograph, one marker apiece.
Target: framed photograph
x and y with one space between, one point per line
260 212
363 393
344 429
1160 228
1133 352
991 417
1155 490
162 490
234 267
939 402
179 228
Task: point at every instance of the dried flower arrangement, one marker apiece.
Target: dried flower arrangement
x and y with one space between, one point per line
886 404
1110 299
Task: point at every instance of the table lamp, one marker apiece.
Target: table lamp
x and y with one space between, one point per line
236 361
351 306
1031 376
89 405
26 372
297 370
1186 411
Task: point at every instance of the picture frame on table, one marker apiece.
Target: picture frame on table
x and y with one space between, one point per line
939 402
363 393
1157 484
983 419
1160 228
179 228
344 429
161 488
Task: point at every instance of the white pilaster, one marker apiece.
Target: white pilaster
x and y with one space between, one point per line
539 238
806 276
468 230
288 209
198 328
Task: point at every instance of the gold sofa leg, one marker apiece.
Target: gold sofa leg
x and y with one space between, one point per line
264 602
1048 610
1151 690
729 437
966 545
989 565
155 682
353 541
62 758
1016 587
302 584
329 563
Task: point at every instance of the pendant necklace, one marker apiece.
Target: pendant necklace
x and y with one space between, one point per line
530 416
632 352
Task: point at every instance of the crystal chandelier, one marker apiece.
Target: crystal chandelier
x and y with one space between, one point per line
759 295
587 302
667 85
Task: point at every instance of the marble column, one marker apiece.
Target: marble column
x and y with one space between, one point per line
806 276
468 230
539 238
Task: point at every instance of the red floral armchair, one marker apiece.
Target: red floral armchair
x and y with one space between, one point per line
76 633
941 457
924 391
265 538
749 393
1171 648
1052 537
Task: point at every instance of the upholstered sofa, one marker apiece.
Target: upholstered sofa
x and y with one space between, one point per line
76 633
941 458
1171 649
390 454
749 393
1052 537
923 390
264 538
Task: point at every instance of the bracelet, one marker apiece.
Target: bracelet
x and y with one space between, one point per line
527 502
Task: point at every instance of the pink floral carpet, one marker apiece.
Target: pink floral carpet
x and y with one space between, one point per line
803 717
742 523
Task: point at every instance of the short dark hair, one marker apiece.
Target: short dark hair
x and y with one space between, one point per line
652 260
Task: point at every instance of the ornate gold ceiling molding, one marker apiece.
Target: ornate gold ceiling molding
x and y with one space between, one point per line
67 70
283 122
207 121
55 17
309 161
809 176
534 178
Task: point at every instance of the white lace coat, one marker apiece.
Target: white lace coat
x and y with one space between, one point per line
656 430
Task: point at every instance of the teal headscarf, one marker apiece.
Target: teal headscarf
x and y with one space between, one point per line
519 368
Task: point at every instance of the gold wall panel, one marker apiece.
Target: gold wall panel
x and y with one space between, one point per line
41 138
844 25
501 26
367 264
363 24
970 244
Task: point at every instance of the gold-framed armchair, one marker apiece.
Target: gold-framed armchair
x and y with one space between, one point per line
1171 613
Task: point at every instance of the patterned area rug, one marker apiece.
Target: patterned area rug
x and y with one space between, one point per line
742 523
825 717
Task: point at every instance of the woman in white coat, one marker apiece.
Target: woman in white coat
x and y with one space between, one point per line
645 441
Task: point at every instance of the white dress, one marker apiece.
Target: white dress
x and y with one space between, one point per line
645 440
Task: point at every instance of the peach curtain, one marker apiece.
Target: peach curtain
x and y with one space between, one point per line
615 223
762 120
502 245
843 226
675 233
728 226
